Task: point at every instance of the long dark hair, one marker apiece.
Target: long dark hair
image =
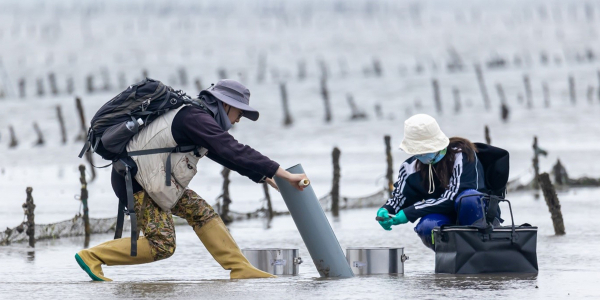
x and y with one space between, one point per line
443 169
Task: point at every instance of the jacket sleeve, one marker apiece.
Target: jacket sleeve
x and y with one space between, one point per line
199 128
256 177
464 176
396 202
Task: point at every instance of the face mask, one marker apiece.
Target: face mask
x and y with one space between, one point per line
431 158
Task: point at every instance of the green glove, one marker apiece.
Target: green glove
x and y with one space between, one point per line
399 218
387 222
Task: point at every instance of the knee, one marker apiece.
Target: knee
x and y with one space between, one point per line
469 209
163 249
426 225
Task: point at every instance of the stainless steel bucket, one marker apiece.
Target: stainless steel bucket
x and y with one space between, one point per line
376 260
275 260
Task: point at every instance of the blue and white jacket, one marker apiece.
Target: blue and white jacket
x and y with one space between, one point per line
411 196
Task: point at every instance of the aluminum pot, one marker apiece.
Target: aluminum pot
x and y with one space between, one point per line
276 261
376 260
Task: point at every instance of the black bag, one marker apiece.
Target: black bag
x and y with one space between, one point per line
109 134
483 248
495 162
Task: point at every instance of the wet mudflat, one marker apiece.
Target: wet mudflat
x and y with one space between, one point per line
569 265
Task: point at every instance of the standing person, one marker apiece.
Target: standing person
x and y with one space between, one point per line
205 126
431 182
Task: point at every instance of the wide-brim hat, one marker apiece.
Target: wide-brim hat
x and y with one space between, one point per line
422 134
235 94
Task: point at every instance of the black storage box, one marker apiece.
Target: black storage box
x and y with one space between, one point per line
485 249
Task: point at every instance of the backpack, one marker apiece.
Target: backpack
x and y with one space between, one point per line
495 162
115 124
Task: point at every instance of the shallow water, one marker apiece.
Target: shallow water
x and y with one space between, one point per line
569 265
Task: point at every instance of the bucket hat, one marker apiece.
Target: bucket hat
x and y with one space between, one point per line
235 94
422 134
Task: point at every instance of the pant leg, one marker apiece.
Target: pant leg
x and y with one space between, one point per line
426 225
195 210
156 224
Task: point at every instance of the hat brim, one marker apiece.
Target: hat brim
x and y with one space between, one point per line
249 112
426 146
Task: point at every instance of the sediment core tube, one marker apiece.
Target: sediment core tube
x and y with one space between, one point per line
316 232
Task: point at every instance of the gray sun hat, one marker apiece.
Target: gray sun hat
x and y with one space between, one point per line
235 94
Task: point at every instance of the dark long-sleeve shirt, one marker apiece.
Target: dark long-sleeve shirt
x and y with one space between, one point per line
413 198
194 126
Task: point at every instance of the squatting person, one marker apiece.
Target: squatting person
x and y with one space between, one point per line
207 125
431 182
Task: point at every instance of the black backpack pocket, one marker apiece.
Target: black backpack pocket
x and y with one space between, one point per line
116 137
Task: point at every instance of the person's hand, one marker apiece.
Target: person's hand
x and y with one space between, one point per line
293 179
387 221
272 183
399 218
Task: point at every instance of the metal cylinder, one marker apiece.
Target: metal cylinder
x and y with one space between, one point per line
376 260
274 260
314 228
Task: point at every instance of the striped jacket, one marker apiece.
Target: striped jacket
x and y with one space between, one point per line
411 195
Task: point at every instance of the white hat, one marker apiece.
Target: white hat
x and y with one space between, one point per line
422 134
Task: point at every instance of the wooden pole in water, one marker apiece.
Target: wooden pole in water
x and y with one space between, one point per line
40 135
536 162
528 93
561 177
482 87
504 111
52 81
40 87
61 122
84 201
13 139
268 198
553 203
70 86
572 90
225 196
335 189
198 84
488 140
456 94
436 95
287 121
22 92
357 114
90 83
389 173
546 92
28 208
325 95
83 132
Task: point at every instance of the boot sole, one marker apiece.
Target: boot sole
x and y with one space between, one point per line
86 268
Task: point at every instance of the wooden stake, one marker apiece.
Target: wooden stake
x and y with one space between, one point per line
377 67
90 83
504 111
84 200
13 139
389 173
482 87
198 84
22 90
52 81
436 96
335 189
183 78
590 94
225 196
40 87
286 110
456 95
28 208
528 93
561 177
40 135
268 199
572 94
488 140
546 92
325 95
61 122
83 132
356 114
553 203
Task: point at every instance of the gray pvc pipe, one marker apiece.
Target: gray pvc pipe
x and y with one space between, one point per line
314 228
